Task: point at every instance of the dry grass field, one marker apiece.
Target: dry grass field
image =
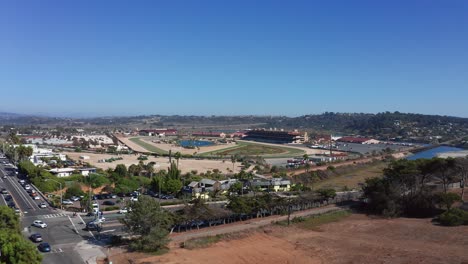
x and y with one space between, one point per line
356 239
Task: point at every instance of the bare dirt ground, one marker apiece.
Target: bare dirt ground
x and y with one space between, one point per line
162 163
357 239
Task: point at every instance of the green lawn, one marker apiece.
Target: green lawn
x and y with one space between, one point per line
253 149
314 221
147 146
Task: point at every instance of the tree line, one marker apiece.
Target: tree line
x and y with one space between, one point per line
14 248
417 188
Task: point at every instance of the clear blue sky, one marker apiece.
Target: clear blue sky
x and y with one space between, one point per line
233 57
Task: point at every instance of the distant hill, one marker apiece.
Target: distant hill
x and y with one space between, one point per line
387 125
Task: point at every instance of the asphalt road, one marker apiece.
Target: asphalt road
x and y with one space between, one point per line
63 233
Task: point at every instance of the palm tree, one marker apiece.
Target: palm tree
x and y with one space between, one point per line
233 160
177 156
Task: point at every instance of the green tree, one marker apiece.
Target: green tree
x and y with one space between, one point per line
447 199
327 193
23 152
74 190
177 156
236 188
173 171
150 222
234 158
240 204
121 170
14 138
97 180
14 248
8 219
173 186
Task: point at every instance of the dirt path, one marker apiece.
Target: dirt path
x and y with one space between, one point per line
176 238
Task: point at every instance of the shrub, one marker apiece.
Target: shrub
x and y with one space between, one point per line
298 219
453 217
111 208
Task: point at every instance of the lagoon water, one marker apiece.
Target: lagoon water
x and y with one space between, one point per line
195 143
431 153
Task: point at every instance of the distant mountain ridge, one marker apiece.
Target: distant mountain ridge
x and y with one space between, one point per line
407 126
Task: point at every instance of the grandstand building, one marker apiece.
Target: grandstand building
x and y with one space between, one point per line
278 137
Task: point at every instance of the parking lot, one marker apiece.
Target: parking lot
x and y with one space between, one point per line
106 201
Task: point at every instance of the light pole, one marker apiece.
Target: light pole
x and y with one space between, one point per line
61 191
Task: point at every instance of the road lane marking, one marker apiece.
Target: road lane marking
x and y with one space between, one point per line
22 195
106 231
76 230
91 233
48 216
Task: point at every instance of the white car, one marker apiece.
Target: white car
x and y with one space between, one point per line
39 223
21 182
43 205
134 199
37 197
123 210
75 198
27 187
67 202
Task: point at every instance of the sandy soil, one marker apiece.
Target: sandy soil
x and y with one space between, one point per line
358 239
185 165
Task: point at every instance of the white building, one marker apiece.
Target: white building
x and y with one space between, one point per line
62 172
87 171
39 153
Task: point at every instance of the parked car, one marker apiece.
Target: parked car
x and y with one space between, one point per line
44 247
67 202
36 237
75 198
134 199
27 187
108 203
39 223
37 197
123 210
17 210
42 205
4 191
22 182
8 198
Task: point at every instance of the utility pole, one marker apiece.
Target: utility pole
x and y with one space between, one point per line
61 191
